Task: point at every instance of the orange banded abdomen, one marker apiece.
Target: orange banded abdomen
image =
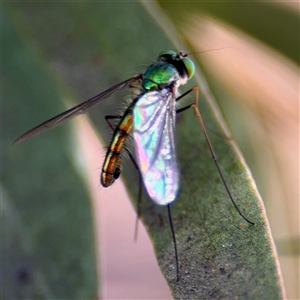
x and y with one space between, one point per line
111 168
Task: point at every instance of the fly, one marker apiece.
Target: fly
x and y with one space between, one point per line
150 118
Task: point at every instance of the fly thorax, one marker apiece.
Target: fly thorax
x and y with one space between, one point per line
160 75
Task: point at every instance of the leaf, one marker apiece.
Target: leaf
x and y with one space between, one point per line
47 255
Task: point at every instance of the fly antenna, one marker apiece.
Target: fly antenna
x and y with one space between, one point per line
216 49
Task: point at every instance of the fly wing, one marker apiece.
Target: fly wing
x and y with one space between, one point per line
74 111
154 125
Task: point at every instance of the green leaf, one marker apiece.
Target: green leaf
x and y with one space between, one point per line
53 50
53 45
46 254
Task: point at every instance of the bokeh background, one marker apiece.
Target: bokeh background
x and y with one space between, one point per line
47 181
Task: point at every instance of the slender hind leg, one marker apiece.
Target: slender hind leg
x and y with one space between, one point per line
194 105
138 206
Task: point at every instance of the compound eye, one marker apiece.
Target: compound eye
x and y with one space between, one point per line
167 55
189 66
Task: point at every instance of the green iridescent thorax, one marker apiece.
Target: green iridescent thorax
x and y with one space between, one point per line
160 73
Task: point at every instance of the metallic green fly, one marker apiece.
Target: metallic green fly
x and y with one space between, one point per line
150 118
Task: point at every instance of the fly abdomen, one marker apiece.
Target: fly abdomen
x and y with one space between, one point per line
111 169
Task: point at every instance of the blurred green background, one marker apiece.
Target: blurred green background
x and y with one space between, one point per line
54 51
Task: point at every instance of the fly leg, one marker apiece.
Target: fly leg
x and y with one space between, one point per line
194 105
138 205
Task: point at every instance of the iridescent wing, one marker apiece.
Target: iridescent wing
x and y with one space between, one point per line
153 131
76 110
